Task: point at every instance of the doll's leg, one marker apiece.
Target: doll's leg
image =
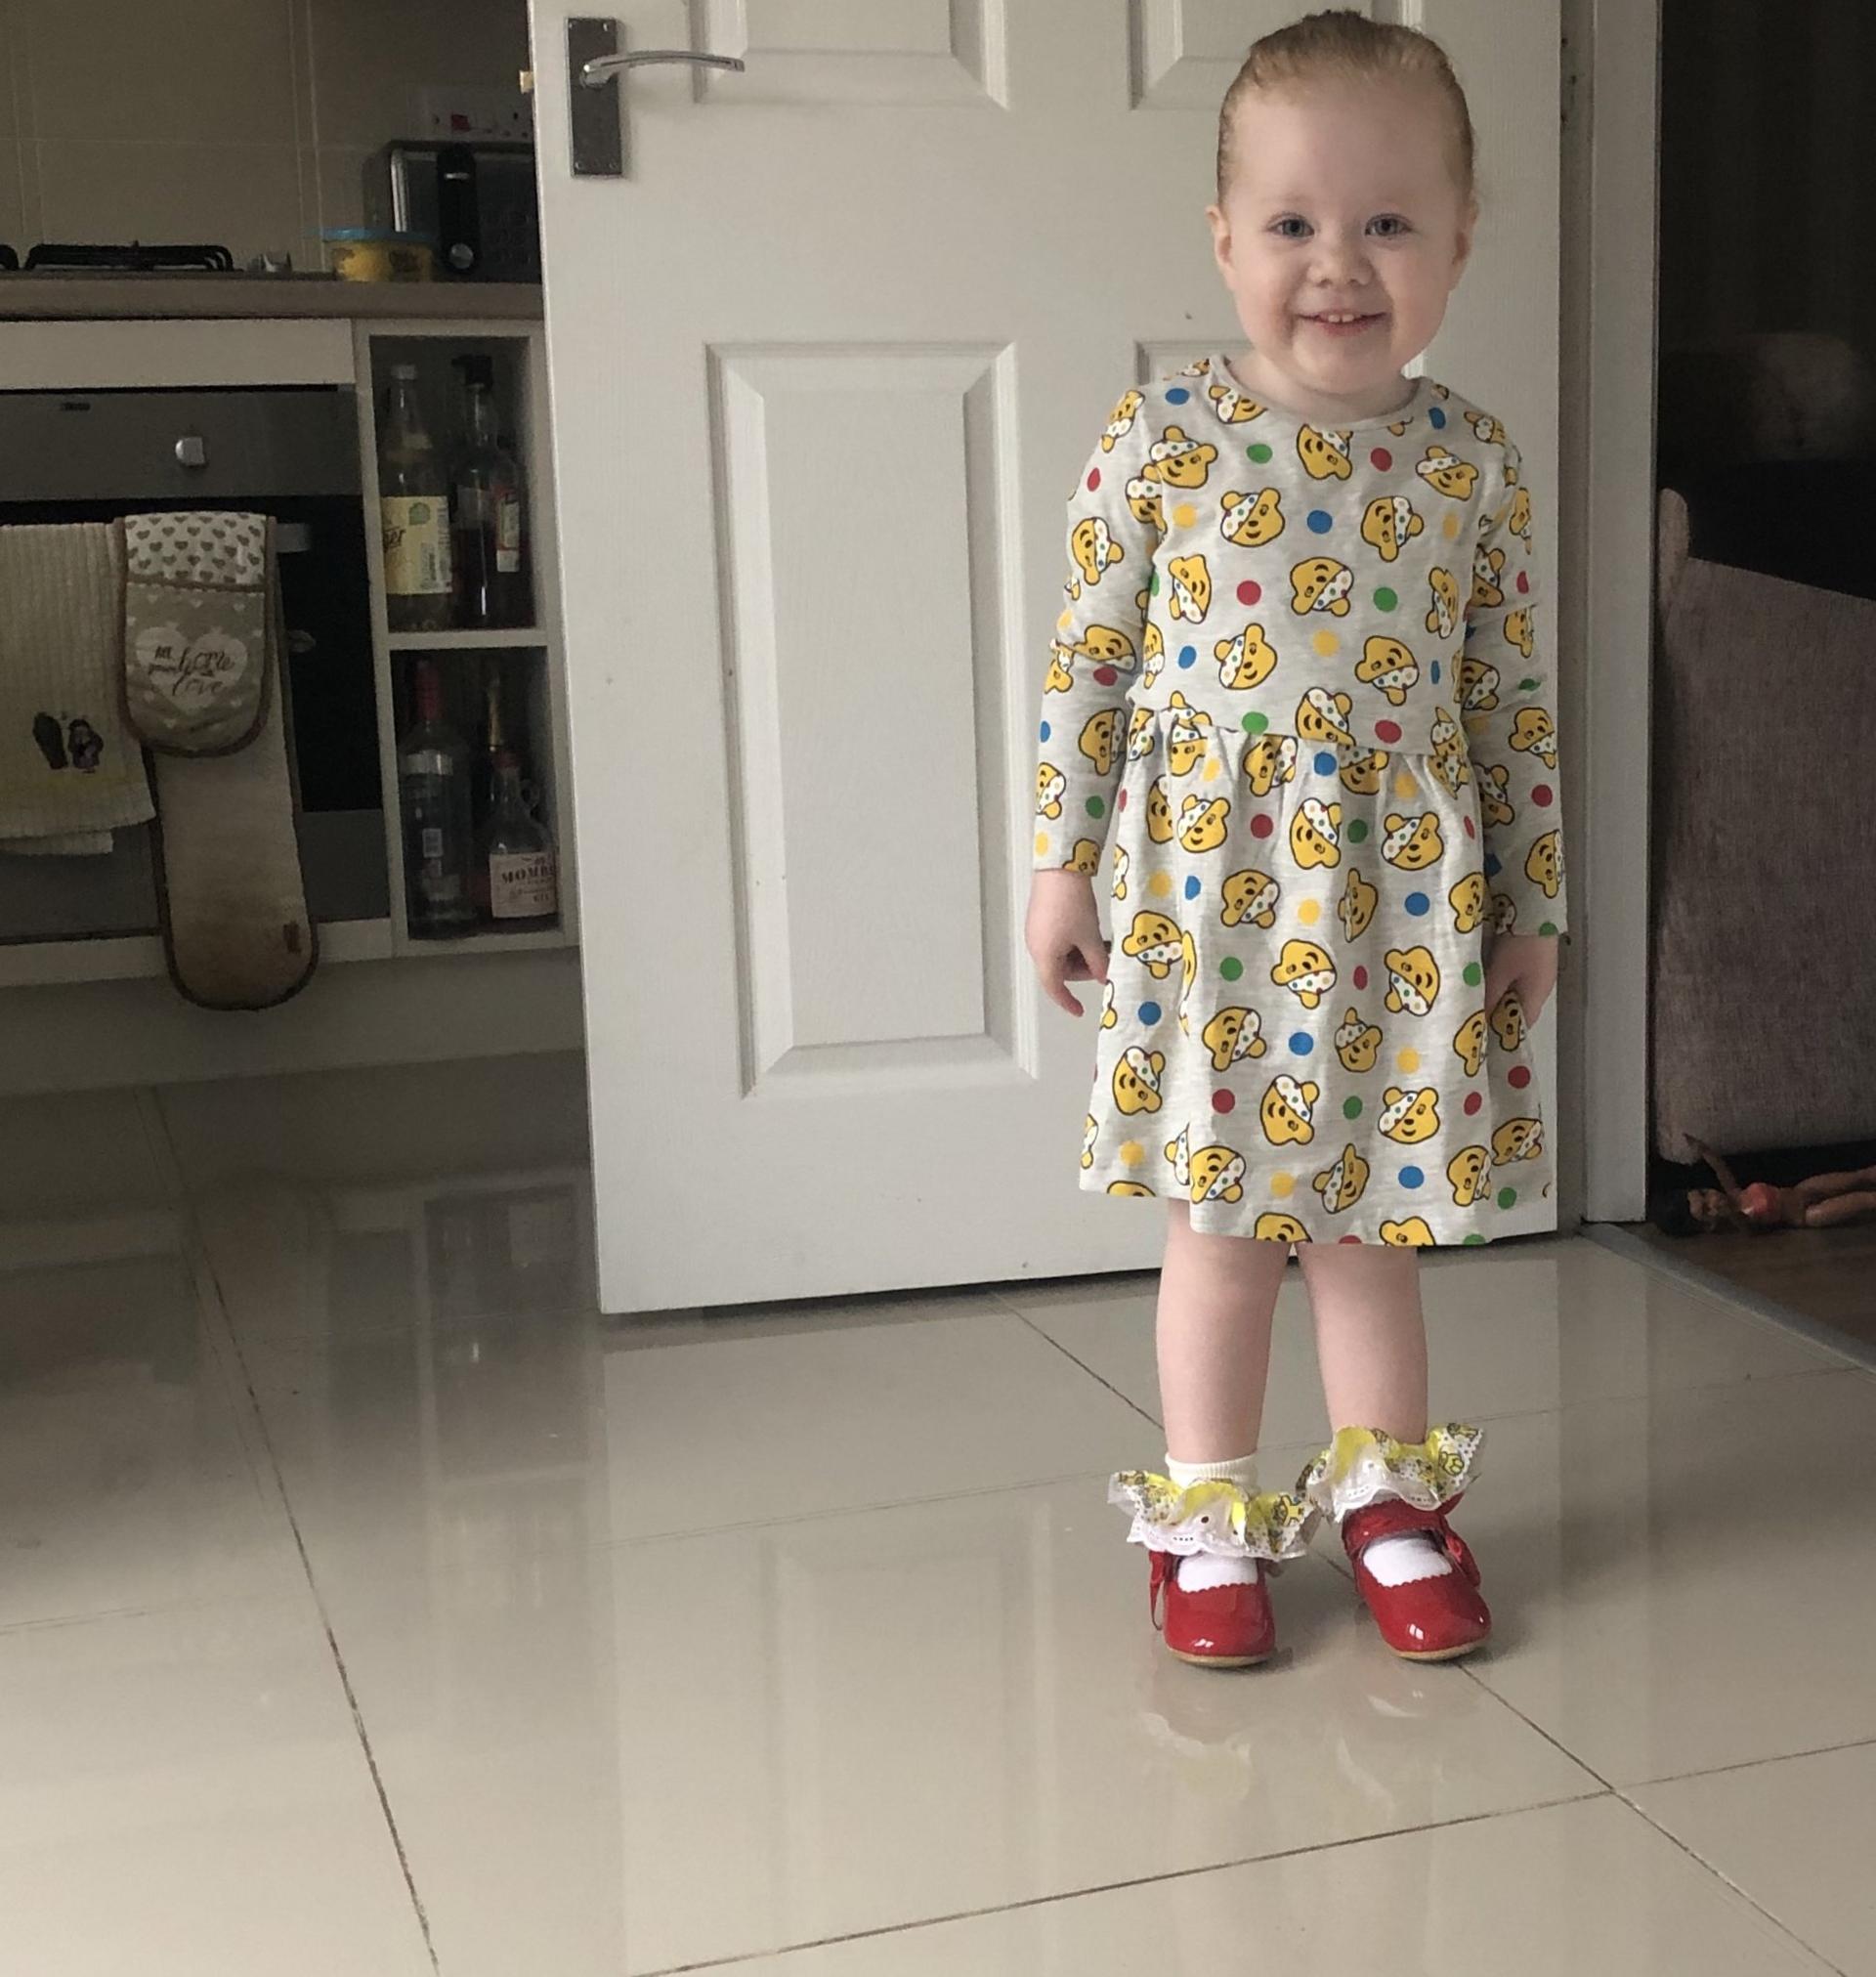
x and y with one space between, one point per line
1217 1295
1822 1186
1839 1208
1371 1336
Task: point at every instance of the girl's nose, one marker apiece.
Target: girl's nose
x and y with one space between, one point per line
1339 258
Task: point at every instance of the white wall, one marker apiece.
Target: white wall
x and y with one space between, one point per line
243 121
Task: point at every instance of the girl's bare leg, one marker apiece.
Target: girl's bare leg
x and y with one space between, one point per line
1217 1295
1370 1335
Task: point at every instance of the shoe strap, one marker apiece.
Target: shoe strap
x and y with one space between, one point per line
1391 1517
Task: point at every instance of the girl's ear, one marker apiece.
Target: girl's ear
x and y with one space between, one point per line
1462 248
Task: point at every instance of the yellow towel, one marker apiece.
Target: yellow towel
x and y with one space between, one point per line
69 770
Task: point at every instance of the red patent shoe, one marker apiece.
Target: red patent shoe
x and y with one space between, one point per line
1435 1619
1221 1628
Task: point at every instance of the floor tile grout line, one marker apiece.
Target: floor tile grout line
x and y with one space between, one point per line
1623 1242
1140 1881
203 1272
1725 1881
1748 1764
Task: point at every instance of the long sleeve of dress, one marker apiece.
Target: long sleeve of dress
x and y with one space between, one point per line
1113 526
1507 703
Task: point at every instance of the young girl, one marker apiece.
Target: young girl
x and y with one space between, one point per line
1298 672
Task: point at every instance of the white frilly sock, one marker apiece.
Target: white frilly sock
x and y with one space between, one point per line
1400 1561
1201 1569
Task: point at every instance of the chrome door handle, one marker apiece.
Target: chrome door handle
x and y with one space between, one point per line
600 71
594 65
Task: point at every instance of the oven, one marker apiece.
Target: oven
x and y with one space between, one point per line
291 453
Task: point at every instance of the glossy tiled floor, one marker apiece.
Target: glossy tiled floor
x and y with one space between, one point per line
370 1605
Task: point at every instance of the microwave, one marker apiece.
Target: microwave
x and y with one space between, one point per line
476 202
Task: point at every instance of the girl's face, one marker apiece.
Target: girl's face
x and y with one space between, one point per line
1343 203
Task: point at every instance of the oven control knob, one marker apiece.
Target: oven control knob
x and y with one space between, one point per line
192 451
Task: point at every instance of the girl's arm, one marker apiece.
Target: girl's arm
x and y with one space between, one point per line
1506 707
1098 644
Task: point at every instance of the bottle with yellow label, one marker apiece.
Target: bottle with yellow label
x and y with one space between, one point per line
413 504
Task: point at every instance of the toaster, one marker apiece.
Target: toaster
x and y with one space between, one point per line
476 202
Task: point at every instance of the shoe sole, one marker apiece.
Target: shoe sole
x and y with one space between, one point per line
1441 1653
1221 1660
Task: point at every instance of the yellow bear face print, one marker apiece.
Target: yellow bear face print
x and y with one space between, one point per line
1321 584
1049 784
1468 1042
1092 546
1176 461
1247 660
1450 475
1154 943
1356 906
1324 453
1489 565
1494 800
1100 737
1357 1044
1518 1140
1342 1184
1120 422
1110 1015
1413 979
1252 520
1269 760
1478 686
1191 588
1323 716
1363 774
1520 523
1120 864
1217 1174
1315 834
1142 734
1409 1117
1273 1226
1250 895
1233 1035
1233 407
1467 1172
1176 1151
1145 503
1136 1079
1389 521
1305 970
1387 665
1468 901
1448 747
1286 1112
1508 1021
1104 645
1532 730
1517 633
1442 617
1413 843
1202 825
1084 859
1187 737
1128 1187
1159 812
1188 974
1090 1132
1488 429
1060 675
1412 1233
1543 865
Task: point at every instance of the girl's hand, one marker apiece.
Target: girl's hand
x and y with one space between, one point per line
1525 962
1063 934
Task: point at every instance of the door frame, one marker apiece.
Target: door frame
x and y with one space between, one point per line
1610 110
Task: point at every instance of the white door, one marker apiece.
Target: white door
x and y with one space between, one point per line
826 362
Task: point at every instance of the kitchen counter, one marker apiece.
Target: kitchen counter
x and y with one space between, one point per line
67 295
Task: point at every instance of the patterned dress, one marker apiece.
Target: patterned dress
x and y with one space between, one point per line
1295 686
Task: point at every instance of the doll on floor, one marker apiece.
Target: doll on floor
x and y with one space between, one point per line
1819 1202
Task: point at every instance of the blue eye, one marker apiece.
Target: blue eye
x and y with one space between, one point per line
1394 222
1279 226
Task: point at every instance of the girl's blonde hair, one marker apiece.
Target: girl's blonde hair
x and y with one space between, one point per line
1345 45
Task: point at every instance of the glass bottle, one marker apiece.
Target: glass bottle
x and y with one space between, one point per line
485 498
413 490
519 856
494 738
439 847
